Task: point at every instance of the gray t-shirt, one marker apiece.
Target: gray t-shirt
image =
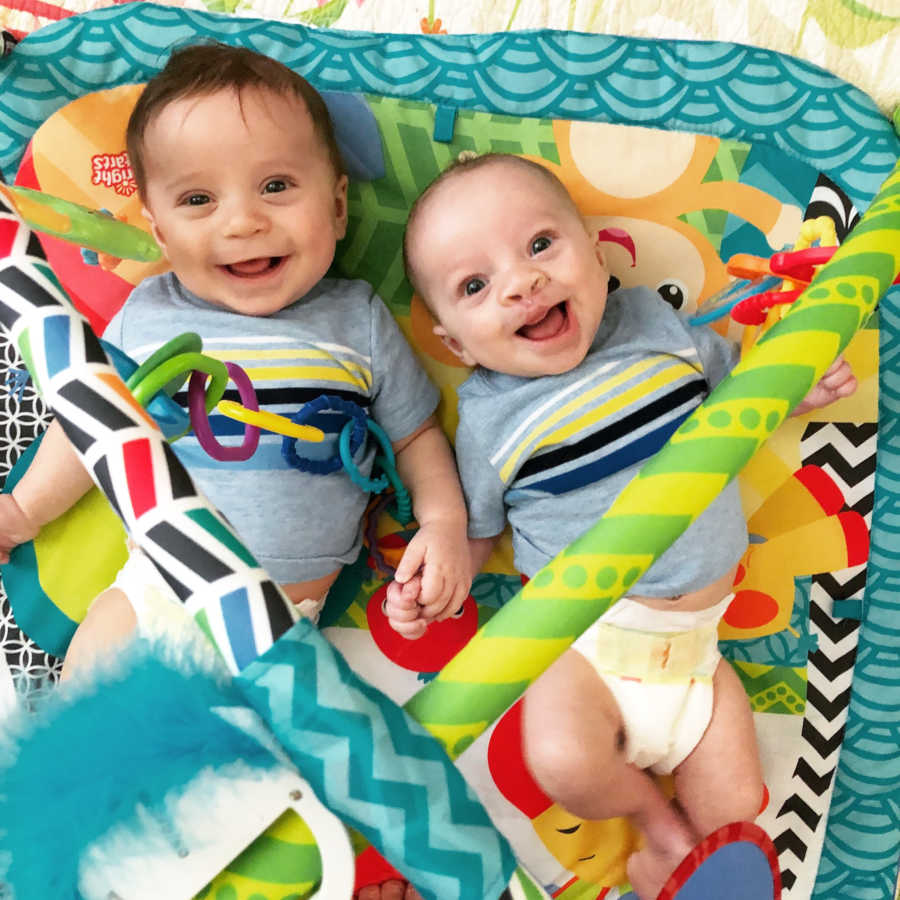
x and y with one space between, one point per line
340 339
550 454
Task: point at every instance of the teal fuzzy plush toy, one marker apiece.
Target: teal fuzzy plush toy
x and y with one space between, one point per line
129 742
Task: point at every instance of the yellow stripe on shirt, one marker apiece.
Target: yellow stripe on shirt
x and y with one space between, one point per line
353 375
360 375
608 385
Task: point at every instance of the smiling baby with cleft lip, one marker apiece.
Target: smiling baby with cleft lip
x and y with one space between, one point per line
574 388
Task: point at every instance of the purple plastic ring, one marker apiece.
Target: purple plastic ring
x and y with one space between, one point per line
200 419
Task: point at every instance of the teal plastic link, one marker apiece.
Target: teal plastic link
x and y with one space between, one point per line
386 461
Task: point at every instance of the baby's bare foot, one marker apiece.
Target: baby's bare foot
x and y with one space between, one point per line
649 869
390 890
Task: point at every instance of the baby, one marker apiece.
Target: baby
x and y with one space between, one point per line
573 390
243 185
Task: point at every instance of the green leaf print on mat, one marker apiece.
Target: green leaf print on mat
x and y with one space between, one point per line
848 23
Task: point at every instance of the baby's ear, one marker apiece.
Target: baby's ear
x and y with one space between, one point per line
454 346
340 207
154 230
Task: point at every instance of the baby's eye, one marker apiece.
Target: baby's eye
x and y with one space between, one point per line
275 186
539 244
196 200
473 286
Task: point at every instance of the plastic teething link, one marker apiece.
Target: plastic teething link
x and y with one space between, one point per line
331 403
752 310
200 418
402 510
386 460
188 342
800 265
350 439
369 485
721 303
178 365
170 417
269 421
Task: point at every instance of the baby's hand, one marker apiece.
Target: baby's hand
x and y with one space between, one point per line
838 382
402 608
15 527
432 580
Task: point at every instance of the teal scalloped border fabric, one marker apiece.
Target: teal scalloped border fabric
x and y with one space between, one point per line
728 90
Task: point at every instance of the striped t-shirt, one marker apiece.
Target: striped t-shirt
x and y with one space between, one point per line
340 340
550 454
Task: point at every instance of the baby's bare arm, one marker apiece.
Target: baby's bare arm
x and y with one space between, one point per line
435 564
480 550
52 484
838 382
425 464
15 528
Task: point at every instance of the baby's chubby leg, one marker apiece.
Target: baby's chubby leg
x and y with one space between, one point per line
721 781
309 596
574 744
109 623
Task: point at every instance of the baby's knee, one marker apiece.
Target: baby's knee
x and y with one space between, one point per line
111 616
109 622
572 764
572 730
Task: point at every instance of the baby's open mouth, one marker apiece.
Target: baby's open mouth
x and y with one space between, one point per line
549 325
250 268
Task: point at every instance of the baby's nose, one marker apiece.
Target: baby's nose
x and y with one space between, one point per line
243 219
523 285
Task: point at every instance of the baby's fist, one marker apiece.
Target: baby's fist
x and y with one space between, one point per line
838 382
401 606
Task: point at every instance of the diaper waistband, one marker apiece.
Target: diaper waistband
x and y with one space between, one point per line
655 656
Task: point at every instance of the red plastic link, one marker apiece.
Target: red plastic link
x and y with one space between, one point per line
800 265
753 310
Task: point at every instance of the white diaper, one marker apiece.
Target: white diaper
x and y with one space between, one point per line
158 610
658 664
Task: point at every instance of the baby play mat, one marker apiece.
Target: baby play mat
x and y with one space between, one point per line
689 152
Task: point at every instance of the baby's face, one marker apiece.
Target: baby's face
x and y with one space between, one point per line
242 198
510 271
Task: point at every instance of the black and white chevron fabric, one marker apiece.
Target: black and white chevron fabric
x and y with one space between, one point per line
847 453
